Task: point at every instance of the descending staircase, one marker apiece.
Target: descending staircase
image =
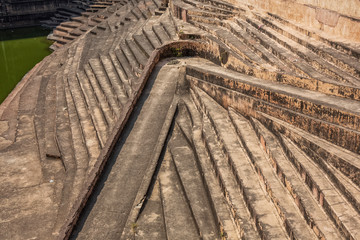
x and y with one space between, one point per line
262 141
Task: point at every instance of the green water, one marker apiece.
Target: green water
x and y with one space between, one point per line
20 50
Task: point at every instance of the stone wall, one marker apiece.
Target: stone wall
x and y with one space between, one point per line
15 13
332 17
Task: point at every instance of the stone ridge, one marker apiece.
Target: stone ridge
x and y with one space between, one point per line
183 120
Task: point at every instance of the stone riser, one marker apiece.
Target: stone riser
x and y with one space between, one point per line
327 113
334 133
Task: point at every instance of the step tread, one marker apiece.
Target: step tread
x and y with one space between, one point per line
263 210
297 188
347 105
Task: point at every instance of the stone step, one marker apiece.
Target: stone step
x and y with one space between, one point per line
123 28
91 137
122 60
105 85
296 63
64 29
219 206
341 59
151 36
329 156
63 134
150 224
294 223
323 190
144 9
104 104
194 11
79 19
175 203
255 46
239 47
137 13
346 48
243 193
168 24
223 4
115 80
72 24
78 144
292 181
192 185
230 187
99 118
146 46
311 124
315 104
121 73
208 7
51 145
130 59
312 58
160 33
137 52
76 32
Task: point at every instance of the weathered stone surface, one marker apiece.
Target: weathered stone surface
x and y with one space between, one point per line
249 131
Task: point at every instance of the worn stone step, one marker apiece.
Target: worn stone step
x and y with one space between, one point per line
194 11
104 104
160 33
115 80
323 190
315 60
125 65
105 85
311 124
239 47
137 52
168 24
86 120
146 46
336 57
51 145
326 154
63 28
218 206
175 203
296 63
150 224
230 187
191 182
78 144
92 102
208 7
137 13
345 48
257 47
300 100
241 192
222 4
152 38
314 216
72 24
121 73
63 134
130 59
293 221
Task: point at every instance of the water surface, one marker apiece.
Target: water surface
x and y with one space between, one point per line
20 50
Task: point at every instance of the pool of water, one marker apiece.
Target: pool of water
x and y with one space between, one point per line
20 50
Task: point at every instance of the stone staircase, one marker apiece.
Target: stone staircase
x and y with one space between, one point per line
249 131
